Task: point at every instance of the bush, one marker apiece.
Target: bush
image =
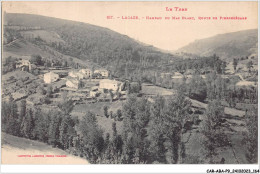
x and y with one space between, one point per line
45 100
41 90
196 120
36 59
200 96
106 111
119 115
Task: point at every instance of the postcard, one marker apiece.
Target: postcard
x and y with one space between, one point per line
129 82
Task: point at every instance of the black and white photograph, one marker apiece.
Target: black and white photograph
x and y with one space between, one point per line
129 82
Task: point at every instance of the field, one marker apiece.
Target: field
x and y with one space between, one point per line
17 75
149 89
97 108
13 146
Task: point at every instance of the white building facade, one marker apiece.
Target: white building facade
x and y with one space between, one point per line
77 75
50 77
86 72
109 84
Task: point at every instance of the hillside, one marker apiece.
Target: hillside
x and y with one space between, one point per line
21 47
227 46
87 42
13 146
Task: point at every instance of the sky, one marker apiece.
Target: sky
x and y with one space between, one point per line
164 34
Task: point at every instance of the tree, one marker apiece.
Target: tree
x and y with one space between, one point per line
118 94
235 62
54 131
251 136
111 115
119 115
42 122
10 116
223 67
213 134
175 117
65 63
49 91
249 65
92 137
136 113
66 106
114 129
67 132
28 125
128 150
111 94
107 140
156 131
22 111
106 111
36 59
197 88
117 143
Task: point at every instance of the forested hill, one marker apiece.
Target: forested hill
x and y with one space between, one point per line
119 53
226 46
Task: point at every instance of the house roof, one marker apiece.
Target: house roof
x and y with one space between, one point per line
86 69
109 81
73 80
51 73
98 70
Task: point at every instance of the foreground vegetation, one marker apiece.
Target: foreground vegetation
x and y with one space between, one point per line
156 121
153 132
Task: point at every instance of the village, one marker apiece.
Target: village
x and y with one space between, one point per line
81 85
93 90
109 95
85 85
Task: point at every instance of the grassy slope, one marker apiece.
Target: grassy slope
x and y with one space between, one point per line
24 48
13 146
21 48
97 108
18 75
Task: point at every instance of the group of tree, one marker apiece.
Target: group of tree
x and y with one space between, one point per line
213 131
10 35
200 64
133 87
145 138
247 95
251 136
56 128
116 116
152 132
36 59
9 64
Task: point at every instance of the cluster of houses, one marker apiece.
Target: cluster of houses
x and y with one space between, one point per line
85 83
76 76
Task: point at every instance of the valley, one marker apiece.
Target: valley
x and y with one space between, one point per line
100 97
